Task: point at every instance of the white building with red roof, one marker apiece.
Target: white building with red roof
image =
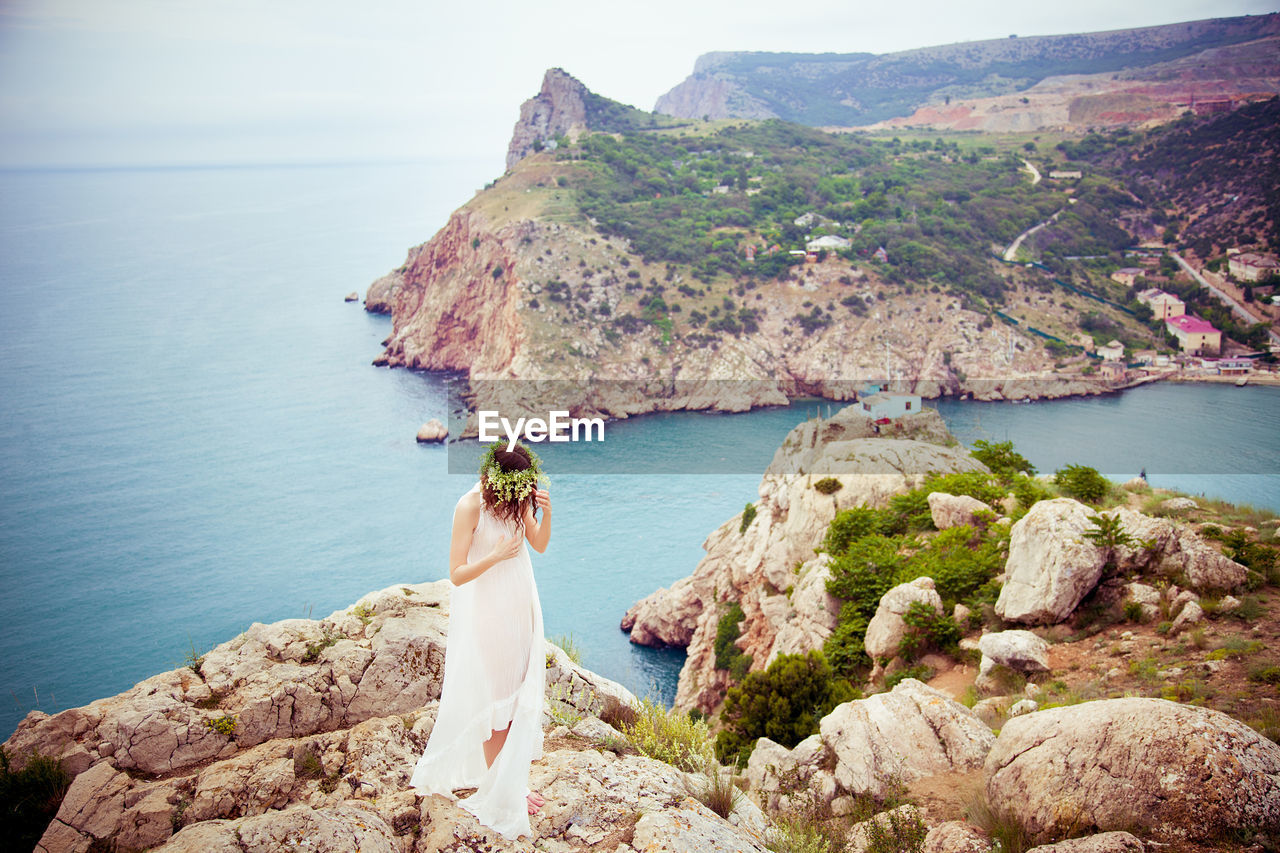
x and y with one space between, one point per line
1194 335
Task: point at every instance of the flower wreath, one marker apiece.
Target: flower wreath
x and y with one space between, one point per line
511 486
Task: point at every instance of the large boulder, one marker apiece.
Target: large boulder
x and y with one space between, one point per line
955 510
1020 651
887 627
869 746
1174 771
1103 842
1175 550
813 614
1051 566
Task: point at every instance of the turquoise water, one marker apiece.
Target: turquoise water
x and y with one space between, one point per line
192 437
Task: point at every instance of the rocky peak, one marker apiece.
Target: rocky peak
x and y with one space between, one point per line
559 107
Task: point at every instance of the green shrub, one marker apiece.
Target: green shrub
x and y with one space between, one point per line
1082 483
1133 612
728 655
975 484
223 725
1265 674
926 630
828 485
783 703
848 527
1002 459
1029 491
666 734
31 797
896 832
748 516
920 672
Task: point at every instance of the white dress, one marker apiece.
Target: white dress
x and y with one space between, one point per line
494 674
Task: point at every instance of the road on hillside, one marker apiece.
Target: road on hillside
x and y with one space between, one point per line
1013 247
1236 308
1035 173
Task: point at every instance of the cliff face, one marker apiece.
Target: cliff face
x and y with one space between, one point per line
453 304
770 568
559 107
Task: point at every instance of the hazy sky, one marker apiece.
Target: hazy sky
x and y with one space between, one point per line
233 81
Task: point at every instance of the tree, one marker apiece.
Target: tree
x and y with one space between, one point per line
1082 483
1002 459
783 703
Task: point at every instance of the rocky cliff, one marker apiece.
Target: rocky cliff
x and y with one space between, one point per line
558 108
770 568
309 730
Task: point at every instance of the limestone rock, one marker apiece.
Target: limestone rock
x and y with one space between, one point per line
1175 771
1051 565
860 837
559 108
955 510
1146 597
1023 706
352 297
887 627
956 836
1228 604
813 613
334 829
1103 842
1019 650
1190 614
432 432
911 732
1178 504
689 825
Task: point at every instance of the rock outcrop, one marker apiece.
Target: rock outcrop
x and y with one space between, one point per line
757 566
1052 565
955 510
867 746
309 729
887 627
432 432
1173 771
558 108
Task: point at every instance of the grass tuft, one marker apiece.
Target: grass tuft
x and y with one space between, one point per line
671 736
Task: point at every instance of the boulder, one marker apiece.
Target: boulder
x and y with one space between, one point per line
1146 597
955 510
432 432
909 733
887 627
1228 604
690 825
1051 566
353 296
1178 504
1103 842
1190 614
1174 771
813 614
1018 650
956 836
1024 706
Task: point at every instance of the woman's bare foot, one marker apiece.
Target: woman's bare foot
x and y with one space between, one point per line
535 802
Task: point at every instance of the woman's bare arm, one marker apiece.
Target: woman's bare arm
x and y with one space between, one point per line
465 518
538 532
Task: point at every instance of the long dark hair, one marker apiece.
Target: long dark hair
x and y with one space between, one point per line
513 511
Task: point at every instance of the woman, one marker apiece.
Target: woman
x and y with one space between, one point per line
489 726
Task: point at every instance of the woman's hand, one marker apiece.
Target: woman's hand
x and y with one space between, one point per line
542 498
505 549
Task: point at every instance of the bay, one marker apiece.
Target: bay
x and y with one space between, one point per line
192 437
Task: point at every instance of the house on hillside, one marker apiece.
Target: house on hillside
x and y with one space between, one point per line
830 243
1066 174
886 405
1163 305
1112 370
1112 351
1127 275
750 253
1253 266
881 255
1194 335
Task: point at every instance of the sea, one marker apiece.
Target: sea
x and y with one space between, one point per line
193 437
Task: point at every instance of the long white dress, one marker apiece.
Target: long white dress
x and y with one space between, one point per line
494 674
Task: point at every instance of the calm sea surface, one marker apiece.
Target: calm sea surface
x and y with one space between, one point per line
192 438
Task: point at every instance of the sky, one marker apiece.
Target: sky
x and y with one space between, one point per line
186 82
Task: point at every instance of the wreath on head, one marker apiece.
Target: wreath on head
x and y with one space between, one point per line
511 487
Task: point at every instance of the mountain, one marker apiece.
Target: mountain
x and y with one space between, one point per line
648 263
855 89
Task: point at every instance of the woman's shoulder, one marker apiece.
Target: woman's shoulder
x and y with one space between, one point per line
471 501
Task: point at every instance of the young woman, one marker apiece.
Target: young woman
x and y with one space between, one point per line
489 725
